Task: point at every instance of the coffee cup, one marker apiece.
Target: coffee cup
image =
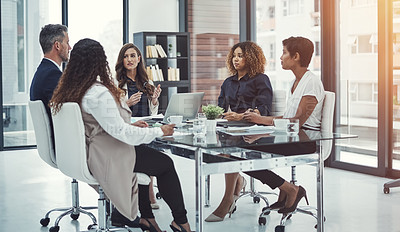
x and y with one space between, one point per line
175 119
281 124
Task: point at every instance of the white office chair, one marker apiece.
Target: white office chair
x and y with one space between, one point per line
45 147
326 129
70 143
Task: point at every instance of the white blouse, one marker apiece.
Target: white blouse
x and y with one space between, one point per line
309 85
99 102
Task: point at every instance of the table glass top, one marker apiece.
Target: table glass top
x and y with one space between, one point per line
220 139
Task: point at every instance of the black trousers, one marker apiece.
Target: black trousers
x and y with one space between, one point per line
270 178
155 163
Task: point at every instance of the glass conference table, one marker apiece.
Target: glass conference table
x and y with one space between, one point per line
221 152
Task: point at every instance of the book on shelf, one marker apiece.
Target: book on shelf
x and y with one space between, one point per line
149 74
154 73
160 51
159 73
155 51
173 74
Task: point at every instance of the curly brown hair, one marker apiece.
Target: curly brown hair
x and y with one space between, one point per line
253 56
87 65
141 79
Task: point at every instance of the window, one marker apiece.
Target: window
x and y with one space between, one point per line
292 7
355 3
21 52
271 40
99 24
363 43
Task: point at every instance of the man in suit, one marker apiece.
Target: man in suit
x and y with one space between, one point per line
54 41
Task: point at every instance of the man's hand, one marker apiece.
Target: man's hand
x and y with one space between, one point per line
140 124
232 116
134 99
168 129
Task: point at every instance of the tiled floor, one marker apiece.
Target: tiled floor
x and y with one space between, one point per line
353 202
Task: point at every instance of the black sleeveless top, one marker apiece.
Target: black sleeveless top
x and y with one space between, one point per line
141 108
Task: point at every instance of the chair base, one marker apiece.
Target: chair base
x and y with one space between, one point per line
257 196
104 218
73 211
391 184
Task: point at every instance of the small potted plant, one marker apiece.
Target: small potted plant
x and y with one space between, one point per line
170 53
212 112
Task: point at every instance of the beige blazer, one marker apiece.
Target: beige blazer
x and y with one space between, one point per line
112 162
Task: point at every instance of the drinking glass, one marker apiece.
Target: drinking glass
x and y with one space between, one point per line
292 128
199 127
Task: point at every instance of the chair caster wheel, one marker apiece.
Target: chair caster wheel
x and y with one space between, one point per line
265 211
74 216
91 226
54 229
158 196
280 228
44 221
289 217
262 221
386 190
256 199
316 225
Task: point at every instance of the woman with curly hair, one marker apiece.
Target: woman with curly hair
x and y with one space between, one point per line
111 138
248 88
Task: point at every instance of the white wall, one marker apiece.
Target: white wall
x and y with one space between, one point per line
153 15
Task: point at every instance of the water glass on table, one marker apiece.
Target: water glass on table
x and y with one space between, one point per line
199 125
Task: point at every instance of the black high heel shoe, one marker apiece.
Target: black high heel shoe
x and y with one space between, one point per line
174 229
300 194
278 204
149 228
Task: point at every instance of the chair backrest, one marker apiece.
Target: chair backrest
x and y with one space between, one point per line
70 143
327 122
43 132
278 103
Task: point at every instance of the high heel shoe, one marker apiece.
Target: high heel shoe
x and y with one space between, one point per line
174 229
300 194
214 218
278 204
149 228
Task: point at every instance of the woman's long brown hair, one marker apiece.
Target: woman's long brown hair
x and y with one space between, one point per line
87 65
141 79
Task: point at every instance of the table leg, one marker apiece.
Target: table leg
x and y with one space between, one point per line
207 191
320 190
199 186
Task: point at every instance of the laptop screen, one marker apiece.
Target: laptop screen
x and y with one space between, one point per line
185 104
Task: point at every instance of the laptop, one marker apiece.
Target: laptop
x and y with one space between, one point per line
185 104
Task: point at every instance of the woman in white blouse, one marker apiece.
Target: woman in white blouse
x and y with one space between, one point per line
110 137
304 103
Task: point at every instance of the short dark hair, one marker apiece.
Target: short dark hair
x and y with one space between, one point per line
301 45
51 33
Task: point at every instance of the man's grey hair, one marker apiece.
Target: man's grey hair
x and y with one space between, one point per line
49 34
